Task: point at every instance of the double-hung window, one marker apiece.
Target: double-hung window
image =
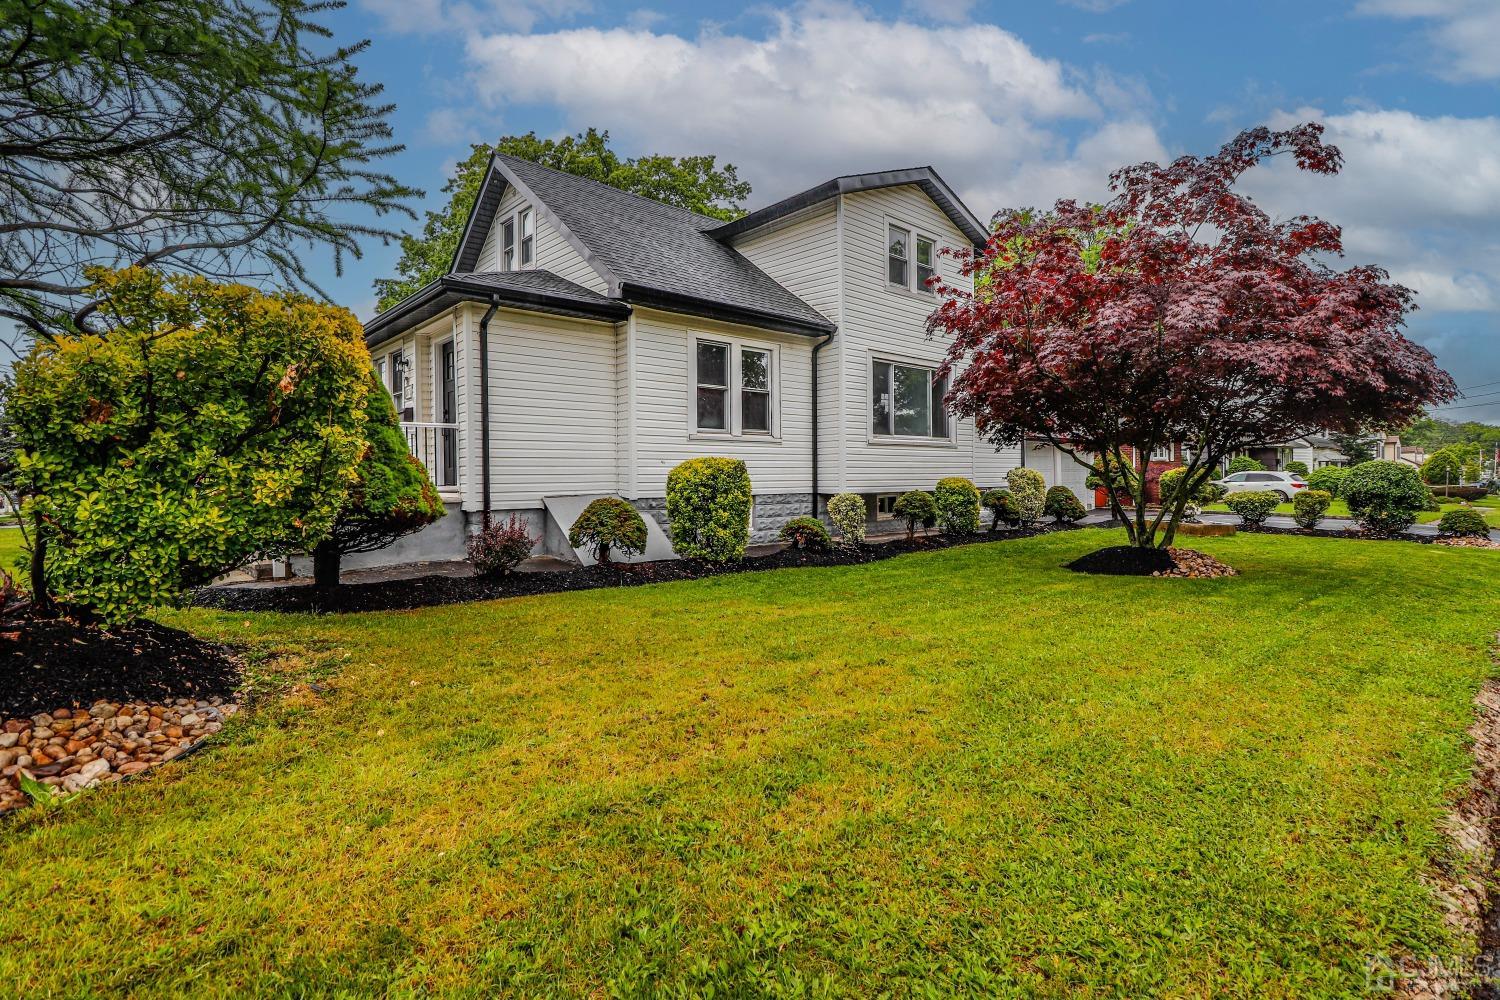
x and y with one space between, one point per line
907 401
898 251
528 238
399 378
734 385
1163 453
508 245
926 267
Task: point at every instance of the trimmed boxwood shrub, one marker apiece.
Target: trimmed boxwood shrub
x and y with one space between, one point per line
1253 508
1001 507
1385 496
1329 479
806 533
607 525
1464 522
1309 506
1244 463
1297 468
708 507
849 514
1062 506
915 507
957 502
1206 492
1028 490
499 547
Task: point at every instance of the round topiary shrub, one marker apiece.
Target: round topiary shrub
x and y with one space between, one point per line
1309 506
915 507
957 502
1464 522
1028 490
1253 508
708 507
1385 496
849 515
1062 506
1329 479
1297 468
1244 463
1001 507
608 525
806 533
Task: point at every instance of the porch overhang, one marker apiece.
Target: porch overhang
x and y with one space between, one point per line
438 297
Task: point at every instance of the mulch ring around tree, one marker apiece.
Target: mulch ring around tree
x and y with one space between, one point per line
428 591
82 705
1133 560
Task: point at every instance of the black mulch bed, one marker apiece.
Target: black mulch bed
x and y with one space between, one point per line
48 663
426 591
1124 560
1271 529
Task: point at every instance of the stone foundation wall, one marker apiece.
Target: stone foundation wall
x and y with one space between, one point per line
771 511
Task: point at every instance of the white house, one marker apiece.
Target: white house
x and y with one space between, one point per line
588 340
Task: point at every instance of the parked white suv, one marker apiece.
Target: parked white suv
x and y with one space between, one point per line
1285 483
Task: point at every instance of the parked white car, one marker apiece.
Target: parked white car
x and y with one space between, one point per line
1286 483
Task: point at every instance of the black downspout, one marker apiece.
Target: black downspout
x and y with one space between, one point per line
1023 449
484 405
816 348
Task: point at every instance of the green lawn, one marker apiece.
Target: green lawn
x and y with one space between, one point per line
961 772
10 548
1488 506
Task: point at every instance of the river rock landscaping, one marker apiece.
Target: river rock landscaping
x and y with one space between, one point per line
70 749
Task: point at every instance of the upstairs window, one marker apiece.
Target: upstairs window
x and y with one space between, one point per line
713 386
528 238
898 267
907 401
926 269
508 245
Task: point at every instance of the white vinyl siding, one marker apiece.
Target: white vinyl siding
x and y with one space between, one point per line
665 432
552 252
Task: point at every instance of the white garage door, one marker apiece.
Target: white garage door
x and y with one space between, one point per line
1060 469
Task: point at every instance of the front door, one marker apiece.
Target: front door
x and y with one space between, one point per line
449 414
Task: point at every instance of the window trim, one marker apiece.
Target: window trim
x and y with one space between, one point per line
1171 453
919 284
526 237
734 404
400 367
915 234
906 258
508 243
950 440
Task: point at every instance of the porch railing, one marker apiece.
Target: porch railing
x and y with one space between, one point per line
436 447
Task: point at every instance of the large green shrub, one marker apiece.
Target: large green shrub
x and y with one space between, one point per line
957 502
1329 479
708 506
1464 522
849 515
1455 463
608 525
1309 506
392 494
1001 507
213 423
807 533
1297 468
1028 490
1203 491
1244 463
1062 506
915 507
1385 496
1253 507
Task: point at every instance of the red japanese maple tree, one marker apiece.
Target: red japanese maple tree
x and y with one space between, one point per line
1179 312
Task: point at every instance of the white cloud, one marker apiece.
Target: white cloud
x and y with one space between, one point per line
425 17
942 11
1465 33
833 89
1419 196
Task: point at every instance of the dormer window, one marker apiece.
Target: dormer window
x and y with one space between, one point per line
528 238
508 245
898 267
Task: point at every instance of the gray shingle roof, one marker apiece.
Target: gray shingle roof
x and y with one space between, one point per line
659 254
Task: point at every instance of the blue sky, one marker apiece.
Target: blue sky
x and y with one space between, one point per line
1014 102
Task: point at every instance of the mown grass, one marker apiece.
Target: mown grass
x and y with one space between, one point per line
10 549
1488 506
963 771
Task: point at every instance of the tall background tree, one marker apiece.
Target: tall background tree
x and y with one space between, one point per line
1356 447
1180 312
696 183
223 138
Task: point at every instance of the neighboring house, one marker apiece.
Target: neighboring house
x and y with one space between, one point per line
1314 450
588 340
1165 457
